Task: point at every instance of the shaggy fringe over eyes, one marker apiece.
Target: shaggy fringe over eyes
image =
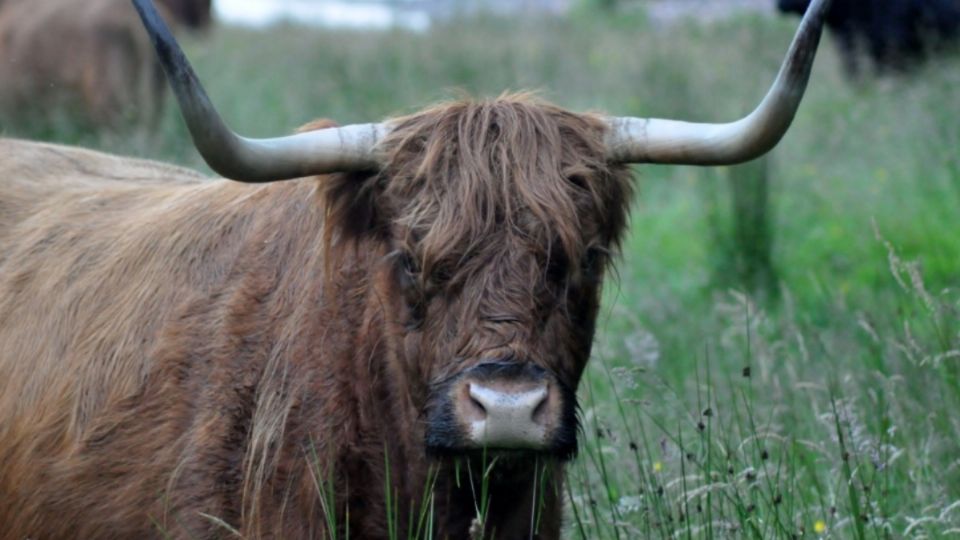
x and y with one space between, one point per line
459 172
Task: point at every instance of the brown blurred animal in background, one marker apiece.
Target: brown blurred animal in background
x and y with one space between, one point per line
194 14
89 60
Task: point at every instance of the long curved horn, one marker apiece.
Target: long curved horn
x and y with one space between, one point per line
652 140
348 148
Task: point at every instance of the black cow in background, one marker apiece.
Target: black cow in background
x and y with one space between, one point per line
894 33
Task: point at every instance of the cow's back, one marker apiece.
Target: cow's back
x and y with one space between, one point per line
81 241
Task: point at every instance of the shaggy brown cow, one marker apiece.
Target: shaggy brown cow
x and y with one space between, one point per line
337 353
87 58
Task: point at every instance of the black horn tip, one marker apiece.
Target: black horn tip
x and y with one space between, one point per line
168 52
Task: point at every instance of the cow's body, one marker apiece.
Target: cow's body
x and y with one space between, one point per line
89 60
173 346
80 224
390 348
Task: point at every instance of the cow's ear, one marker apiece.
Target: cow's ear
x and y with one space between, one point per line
352 206
349 199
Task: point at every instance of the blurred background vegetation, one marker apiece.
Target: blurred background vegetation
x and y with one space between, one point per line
779 356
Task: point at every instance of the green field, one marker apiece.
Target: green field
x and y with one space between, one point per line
826 406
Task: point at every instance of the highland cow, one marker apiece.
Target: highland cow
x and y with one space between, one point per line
405 319
87 60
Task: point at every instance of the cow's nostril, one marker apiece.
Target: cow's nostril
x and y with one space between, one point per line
540 410
476 404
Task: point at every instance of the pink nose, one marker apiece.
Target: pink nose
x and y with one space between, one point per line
506 414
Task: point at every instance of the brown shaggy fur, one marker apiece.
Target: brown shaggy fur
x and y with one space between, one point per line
173 348
89 58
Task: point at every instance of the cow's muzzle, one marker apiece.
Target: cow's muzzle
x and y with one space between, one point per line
502 406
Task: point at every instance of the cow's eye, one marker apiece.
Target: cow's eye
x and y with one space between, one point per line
557 267
415 315
409 277
579 180
406 270
442 274
408 264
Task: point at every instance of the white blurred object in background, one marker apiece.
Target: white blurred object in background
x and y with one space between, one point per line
417 15
321 13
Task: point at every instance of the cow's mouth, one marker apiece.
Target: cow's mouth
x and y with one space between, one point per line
504 410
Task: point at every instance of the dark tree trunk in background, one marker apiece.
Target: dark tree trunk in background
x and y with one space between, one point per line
607 5
743 235
752 227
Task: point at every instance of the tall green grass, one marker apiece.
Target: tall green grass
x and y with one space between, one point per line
830 413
